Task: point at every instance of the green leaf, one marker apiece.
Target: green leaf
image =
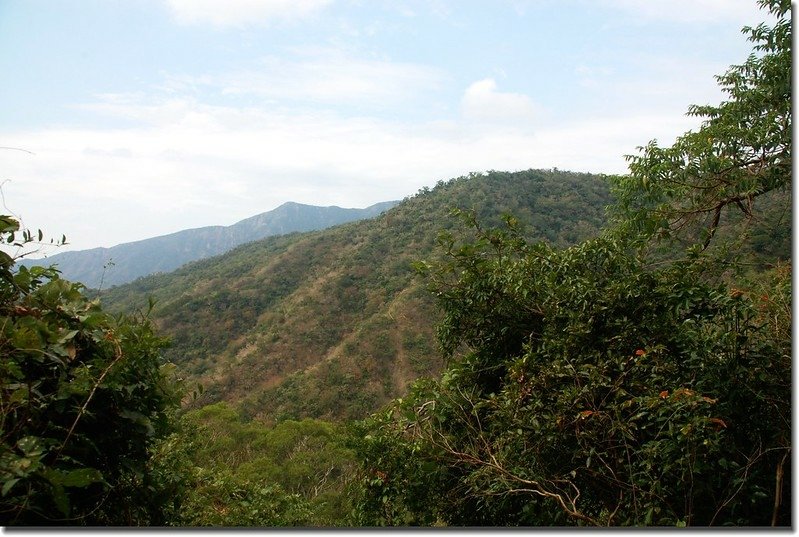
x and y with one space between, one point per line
26 338
138 418
8 224
649 514
6 260
31 446
19 395
67 336
60 499
81 477
7 486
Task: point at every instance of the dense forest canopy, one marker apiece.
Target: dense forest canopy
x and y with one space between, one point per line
634 375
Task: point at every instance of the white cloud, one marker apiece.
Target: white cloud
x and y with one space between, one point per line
683 11
647 81
225 13
330 76
593 77
482 102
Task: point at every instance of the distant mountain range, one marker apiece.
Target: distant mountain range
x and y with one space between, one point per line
126 262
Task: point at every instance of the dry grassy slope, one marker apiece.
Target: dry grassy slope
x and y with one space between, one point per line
350 335
334 323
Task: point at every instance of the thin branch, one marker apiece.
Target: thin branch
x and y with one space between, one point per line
778 488
18 149
713 227
117 357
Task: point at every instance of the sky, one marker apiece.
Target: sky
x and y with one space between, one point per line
128 119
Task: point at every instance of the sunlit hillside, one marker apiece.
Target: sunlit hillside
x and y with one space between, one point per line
334 323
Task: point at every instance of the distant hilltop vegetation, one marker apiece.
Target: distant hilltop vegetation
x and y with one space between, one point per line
125 262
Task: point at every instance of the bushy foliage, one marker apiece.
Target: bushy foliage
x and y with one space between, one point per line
239 473
84 397
591 390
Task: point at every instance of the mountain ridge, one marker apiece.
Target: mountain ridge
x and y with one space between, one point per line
125 262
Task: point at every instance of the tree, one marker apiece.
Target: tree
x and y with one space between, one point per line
741 152
237 472
616 396
83 397
592 386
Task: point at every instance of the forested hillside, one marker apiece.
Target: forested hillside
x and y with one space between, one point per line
339 314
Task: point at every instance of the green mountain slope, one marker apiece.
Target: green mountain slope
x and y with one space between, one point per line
334 323
126 262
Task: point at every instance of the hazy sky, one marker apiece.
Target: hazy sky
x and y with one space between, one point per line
145 117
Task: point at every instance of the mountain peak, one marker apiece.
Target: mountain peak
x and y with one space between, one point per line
126 262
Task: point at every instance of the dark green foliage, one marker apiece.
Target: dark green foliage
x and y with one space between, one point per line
616 395
84 396
219 499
